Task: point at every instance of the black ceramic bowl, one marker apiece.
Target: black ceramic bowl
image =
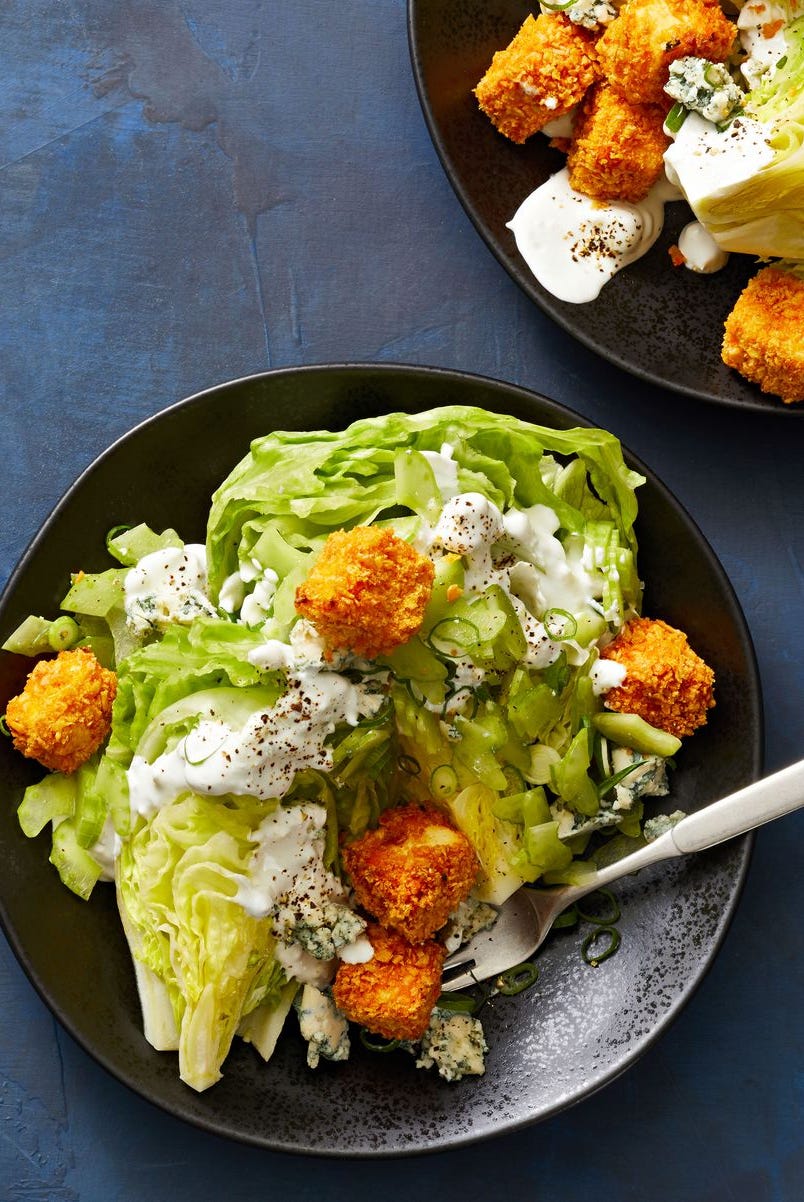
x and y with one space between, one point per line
572 1032
660 323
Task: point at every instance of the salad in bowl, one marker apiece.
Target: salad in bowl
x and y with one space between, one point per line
407 673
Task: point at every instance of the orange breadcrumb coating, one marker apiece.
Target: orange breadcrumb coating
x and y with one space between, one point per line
637 48
367 591
763 338
541 75
617 148
666 683
412 871
393 993
64 712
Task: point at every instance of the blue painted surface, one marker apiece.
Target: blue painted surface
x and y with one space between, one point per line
192 190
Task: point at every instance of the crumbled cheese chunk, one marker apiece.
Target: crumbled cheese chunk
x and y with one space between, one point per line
454 1044
705 87
323 1026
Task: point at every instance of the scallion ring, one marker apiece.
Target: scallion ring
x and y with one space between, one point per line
711 75
605 919
676 117
593 958
443 781
566 920
556 8
409 764
115 532
458 1003
560 624
376 1043
4 730
517 979
63 633
453 637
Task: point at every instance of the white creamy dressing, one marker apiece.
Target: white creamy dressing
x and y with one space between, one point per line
701 253
574 244
288 881
263 756
763 52
167 586
518 551
606 674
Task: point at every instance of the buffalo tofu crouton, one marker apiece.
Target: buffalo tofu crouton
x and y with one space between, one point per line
617 149
541 75
394 992
64 712
763 338
637 49
367 591
665 683
412 871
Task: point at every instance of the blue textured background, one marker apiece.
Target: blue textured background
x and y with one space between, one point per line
193 190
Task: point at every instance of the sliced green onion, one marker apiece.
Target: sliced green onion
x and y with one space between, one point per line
63 633
593 958
560 624
407 763
676 117
782 62
115 532
566 920
556 8
458 1003
376 1043
453 637
4 727
601 920
517 979
712 75
443 781
610 782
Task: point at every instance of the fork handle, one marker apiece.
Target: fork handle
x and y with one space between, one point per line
760 802
764 800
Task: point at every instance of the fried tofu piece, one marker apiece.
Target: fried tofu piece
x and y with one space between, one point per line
412 870
394 992
763 338
637 49
617 148
541 75
367 591
64 713
666 683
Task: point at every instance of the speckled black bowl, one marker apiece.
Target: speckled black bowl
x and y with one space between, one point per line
660 323
578 1027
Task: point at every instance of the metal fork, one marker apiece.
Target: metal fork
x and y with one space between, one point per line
524 921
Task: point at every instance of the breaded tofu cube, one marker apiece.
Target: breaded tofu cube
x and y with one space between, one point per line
394 992
64 713
411 872
764 339
367 591
541 75
637 49
617 147
666 682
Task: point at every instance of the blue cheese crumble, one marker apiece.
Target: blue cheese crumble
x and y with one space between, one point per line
454 1044
323 1026
591 14
704 87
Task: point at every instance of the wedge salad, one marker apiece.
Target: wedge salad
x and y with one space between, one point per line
406 674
